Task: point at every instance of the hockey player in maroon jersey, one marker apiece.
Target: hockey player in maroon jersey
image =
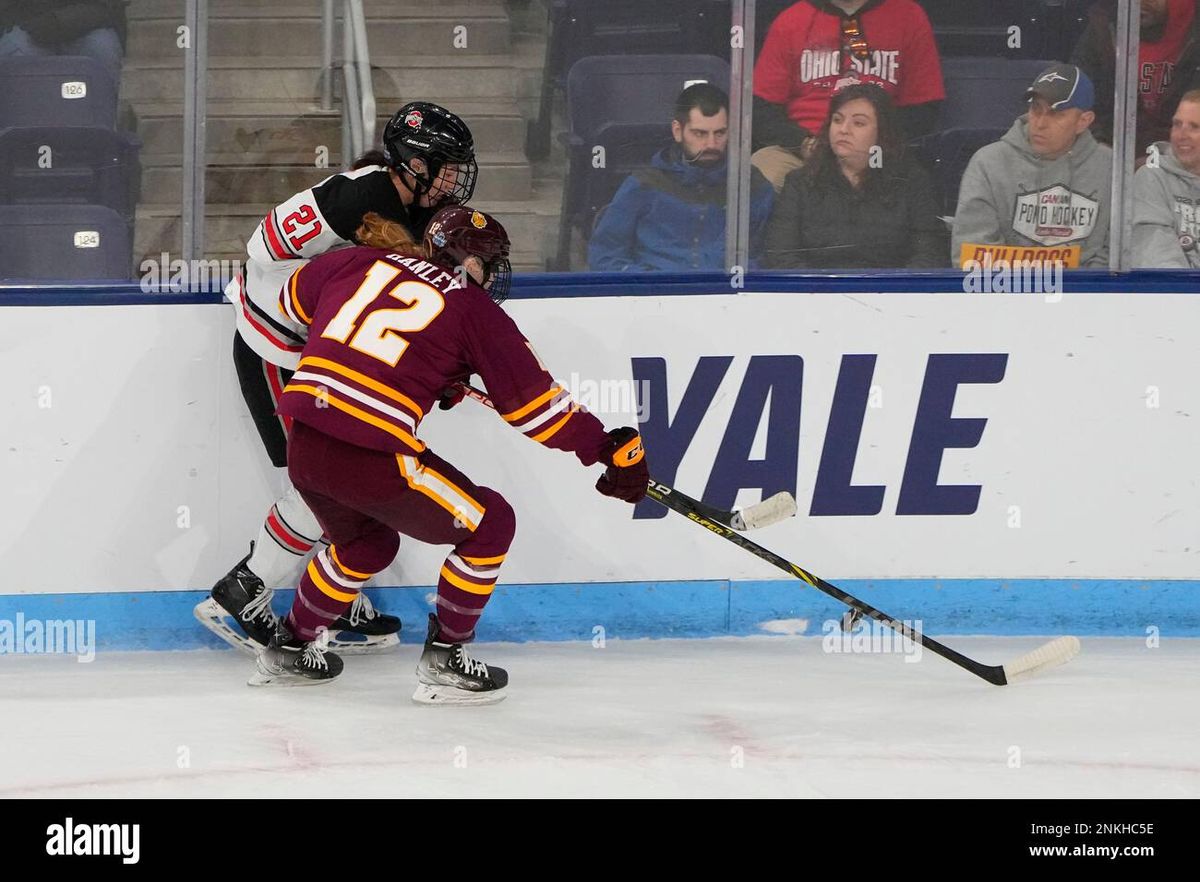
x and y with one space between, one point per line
390 332
427 161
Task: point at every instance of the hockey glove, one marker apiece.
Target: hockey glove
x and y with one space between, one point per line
451 396
627 474
454 393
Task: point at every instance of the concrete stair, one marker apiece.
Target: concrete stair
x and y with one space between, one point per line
253 31
231 178
530 224
464 10
274 129
267 137
293 78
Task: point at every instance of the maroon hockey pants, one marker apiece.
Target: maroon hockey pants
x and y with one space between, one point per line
364 498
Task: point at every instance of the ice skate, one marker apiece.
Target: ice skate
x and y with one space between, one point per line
446 674
289 661
239 609
364 629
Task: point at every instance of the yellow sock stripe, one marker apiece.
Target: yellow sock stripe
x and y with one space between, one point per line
533 405
325 395
549 433
484 561
354 574
315 574
354 375
295 299
432 494
451 577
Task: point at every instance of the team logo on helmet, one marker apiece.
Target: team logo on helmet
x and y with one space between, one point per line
413 119
439 239
478 220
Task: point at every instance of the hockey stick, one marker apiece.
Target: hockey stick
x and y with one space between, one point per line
772 510
1056 652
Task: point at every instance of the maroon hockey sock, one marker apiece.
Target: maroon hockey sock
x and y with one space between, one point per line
464 587
325 593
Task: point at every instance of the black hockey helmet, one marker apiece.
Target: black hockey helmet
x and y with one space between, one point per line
458 232
440 138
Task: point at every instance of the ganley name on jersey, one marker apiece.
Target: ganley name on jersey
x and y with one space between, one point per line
1055 215
430 273
818 64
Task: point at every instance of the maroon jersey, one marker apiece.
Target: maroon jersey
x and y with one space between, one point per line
387 334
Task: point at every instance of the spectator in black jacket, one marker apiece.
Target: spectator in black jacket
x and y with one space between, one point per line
1168 65
93 28
859 202
814 48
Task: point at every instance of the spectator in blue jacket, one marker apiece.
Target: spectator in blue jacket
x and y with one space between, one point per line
671 216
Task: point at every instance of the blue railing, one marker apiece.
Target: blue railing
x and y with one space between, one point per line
546 285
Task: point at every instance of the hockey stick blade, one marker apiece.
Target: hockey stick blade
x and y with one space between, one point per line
777 508
1057 652
770 511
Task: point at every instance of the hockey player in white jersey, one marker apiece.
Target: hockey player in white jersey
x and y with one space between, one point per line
427 163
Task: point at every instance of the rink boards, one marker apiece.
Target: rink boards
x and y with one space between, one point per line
992 464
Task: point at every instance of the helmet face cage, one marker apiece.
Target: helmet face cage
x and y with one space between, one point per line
465 175
440 139
499 279
497 271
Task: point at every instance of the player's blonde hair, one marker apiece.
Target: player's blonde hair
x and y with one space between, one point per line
376 231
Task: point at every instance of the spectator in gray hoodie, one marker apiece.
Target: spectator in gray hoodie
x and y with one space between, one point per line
1046 183
1166 192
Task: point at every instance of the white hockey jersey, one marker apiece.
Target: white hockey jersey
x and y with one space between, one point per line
314 221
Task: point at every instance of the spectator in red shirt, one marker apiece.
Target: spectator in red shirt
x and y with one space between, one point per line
816 47
1168 65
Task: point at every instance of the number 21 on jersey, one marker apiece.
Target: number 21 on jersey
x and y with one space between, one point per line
379 334
304 216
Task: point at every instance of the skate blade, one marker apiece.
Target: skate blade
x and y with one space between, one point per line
362 644
427 693
258 678
213 616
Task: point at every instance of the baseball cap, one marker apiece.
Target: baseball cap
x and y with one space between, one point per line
1064 86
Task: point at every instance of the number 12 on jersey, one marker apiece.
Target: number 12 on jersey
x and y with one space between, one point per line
379 334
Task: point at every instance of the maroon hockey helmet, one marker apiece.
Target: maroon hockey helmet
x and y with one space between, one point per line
458 232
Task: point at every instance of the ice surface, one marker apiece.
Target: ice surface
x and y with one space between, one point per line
759 716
